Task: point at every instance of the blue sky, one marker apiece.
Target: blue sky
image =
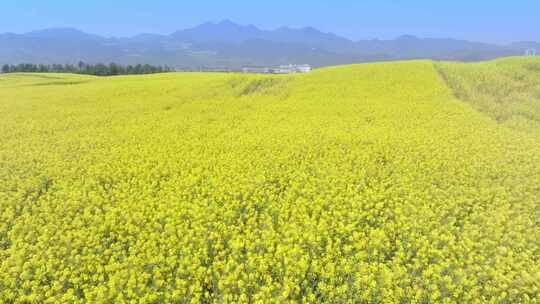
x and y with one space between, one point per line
491 21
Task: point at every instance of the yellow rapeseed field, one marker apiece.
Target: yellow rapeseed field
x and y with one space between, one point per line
354 184
507 90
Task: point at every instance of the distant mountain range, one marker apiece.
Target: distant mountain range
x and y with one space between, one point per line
229 45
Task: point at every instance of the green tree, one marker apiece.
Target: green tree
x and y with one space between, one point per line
114 69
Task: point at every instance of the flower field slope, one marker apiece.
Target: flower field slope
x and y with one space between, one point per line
508 90
353 184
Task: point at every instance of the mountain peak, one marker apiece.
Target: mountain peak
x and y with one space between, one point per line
407 37
60 33
310 29
227 22
57 30
223 31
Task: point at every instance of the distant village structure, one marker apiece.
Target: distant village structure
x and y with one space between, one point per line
282 69
530 52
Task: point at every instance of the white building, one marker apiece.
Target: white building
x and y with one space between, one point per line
296 68
282 69
256 70
530 52
303 68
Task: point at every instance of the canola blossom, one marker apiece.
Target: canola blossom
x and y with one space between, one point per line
507 90
364 183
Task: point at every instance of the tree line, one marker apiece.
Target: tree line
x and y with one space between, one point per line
98 69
